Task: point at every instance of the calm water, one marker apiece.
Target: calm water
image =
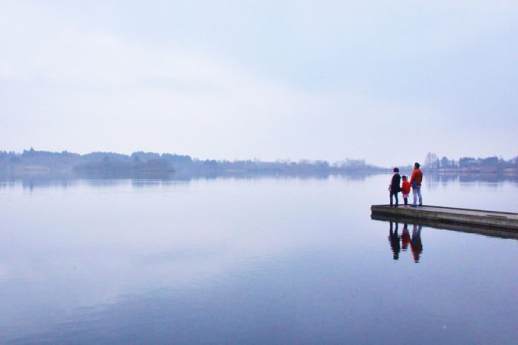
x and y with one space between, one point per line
259 261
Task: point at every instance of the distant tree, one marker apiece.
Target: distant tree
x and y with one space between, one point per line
490 161
354 163
145 156
432 161
466 162
446 163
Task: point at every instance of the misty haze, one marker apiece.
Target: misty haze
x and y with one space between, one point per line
258 172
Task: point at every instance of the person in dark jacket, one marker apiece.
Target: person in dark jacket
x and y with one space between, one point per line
395 187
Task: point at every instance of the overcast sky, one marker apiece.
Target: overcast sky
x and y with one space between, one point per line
387 81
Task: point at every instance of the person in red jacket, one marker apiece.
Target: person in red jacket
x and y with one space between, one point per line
405 189
415 181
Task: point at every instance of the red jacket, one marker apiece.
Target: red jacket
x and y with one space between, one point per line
417 177
405 187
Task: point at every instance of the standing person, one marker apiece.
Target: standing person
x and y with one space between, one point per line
405 189
415 181
394 187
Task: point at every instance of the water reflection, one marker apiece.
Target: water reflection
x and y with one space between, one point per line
34 182
405 237
31 182
416 243
233 261
434 181
394 240
401 243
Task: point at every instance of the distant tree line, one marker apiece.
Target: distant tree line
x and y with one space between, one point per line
109 164
491 164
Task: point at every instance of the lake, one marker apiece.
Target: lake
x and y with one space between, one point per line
249 261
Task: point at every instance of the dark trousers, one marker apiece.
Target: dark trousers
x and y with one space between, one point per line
394 195
406 200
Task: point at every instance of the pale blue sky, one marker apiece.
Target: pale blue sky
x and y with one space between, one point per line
383 80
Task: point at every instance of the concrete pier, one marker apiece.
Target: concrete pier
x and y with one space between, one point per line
502 222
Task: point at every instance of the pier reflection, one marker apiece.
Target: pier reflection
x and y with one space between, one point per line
413 238
399 243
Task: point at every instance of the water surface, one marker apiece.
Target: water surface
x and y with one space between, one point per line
249 261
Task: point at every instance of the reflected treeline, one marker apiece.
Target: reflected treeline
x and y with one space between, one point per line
39 181
35 183
402 241
436 179
32 182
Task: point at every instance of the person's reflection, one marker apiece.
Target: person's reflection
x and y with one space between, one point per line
405 237
416 244
394 240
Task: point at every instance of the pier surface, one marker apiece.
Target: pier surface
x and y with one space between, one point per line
503 221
